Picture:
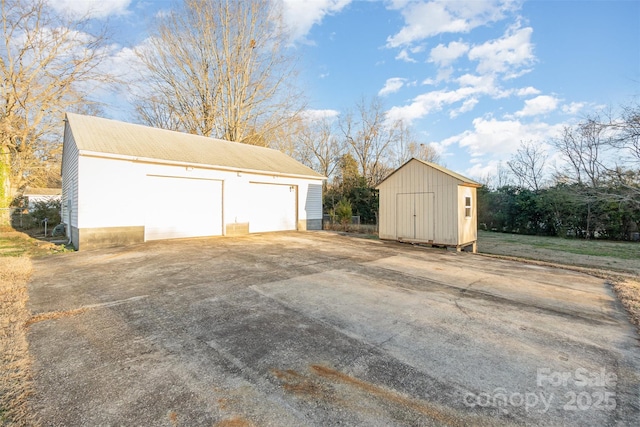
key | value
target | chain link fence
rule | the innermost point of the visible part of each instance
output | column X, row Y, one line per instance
column 331, row 223
column 20, row 219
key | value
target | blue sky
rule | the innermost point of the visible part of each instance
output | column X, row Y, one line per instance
column 474, row 78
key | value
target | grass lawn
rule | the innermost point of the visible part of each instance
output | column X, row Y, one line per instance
column 14, row 243
column 597, row 254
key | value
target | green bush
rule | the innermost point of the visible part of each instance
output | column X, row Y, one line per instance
column 50, row 210
column 344, row 212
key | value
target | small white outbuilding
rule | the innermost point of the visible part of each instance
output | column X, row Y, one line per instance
column 124, row 183
column 422, row 202
column 43, row 195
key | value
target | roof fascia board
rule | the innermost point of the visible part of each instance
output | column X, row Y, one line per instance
column 98, row 154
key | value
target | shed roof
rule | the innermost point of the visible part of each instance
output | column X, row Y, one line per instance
column 463, row 179
column 98, row 135
column 32, row 191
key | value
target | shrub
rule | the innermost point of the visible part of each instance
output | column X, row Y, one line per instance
column 50, row 210
column 344, row 212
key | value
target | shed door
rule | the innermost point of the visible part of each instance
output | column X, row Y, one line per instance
column 182, row 207
column 272, row 207
column 415, row 218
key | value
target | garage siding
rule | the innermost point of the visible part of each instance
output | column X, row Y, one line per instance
column 313, row 207
column 69, row 181
column 113, row 201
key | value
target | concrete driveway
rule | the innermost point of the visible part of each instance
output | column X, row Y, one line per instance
column 296, row 329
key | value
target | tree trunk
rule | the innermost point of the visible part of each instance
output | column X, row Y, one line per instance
column 5, row 186
column 588, row 235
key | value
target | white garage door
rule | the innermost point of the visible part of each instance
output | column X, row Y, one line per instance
column 272, row 208
column 182, row 207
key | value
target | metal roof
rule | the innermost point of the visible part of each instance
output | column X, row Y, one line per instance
column 99, row 135
column 464, row 180
column 32, row 191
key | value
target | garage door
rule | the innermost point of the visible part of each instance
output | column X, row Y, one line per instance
column 182, row 207
column 272, row 207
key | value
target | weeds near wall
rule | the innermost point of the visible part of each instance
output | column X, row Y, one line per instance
column 352, row 228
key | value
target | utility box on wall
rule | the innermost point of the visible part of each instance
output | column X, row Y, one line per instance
column 422, row 202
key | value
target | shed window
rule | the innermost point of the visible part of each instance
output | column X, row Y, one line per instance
column 467, row 207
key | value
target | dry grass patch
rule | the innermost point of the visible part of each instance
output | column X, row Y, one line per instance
column 628, row 291
column 15, row 361
column 15, row 243
column 16, row 249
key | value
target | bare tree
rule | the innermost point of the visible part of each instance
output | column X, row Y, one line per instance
column 623, row 173
column 407, row 146
column 628, row 133
column 220, row 68
column 370, row 138
column 48, row 65
column 502, row 177
column 319, row 146
column 528, row 165
column 423, row 152
column 583, row 146
column 498, row 179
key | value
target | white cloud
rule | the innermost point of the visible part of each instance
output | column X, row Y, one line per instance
column 509, row 53
column 499, row 139
column 125, row 61
column 404, row 56
column 446, row 55
column 392, row 85
column 465, row 108
column 573, row 108
column 527, row 91
column 427, row 19
column 471, row 88
column 539, row 105
column 312, row 115
column 301, row 16
column 124, row 64
column 397, row 4
column 444, row 74
column 485, row 85
column 481, row 171
column 425, row 104
column 163, row 13
column 91, row 8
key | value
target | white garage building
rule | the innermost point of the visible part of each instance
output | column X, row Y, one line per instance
column 125, row 183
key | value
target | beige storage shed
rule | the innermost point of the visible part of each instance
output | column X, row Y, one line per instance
column 422, row 202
